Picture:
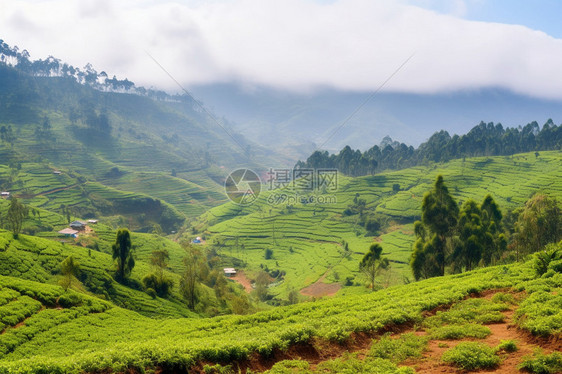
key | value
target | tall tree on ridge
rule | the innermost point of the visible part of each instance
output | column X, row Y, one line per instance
column 122, row 252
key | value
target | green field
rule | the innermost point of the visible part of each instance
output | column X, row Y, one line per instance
column 71, row 332
column 306, row 238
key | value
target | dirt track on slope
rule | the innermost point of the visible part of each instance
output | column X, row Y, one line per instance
column 317, row 350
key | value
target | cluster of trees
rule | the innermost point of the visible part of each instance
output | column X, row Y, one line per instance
column 53, row 67
column 461, row 239
column 485, row 139
column 372, row 222
column 536, row 224
column 202, row 269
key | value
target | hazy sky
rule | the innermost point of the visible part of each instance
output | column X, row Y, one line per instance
column 302, row 44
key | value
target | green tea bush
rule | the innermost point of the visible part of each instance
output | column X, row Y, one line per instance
column 398, row 350
column 471, row 356
column 507, row 346
column 454, row 332
column 539, row 363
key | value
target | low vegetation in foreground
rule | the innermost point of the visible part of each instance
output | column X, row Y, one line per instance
column 50, row 330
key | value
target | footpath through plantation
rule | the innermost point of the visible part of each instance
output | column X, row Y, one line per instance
column 48, row 330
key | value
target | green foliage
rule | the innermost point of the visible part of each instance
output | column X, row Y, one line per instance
column 121, row 339
column 507, row 346
column 541, row 311
column 538, row 224
column 189, row 286
column 482, row 140
column 158, row 282
column 399, row 349
column 122, row 252
column 160, row 286
column 69, row 269
column 17, row 212
column 471, row 356
column 349, row 365
column 373, row 263
column 455, row 332
column 473, row 310
column 439, row 217
column 547, row 259
column 540, row 363
column 307, row 240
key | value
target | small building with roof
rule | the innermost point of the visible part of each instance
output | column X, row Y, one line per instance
column 78, row 225
column 68, row 232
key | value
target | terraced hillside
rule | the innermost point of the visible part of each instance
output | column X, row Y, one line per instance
column 48, row 330
column 119, row 154
column 36, row 259
column 306, row 239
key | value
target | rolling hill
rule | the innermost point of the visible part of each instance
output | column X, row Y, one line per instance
column 48, row 330
column 119, row 153
column 306, row 239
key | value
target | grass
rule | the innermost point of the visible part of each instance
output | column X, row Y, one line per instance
column 471, row 356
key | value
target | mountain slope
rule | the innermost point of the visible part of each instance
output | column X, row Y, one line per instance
column 306, row 239
column 98, row 336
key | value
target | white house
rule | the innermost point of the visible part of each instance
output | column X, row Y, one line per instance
column 229, row 272
column 5, row 195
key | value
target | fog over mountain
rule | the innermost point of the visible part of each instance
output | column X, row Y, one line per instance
column 299, row 123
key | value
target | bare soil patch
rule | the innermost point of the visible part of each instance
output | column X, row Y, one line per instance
column 241, row 278
column 317, row 350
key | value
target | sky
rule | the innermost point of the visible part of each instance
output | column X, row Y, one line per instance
column 414, row 46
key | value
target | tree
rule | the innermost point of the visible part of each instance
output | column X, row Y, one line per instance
column 538, row 224
column 439, row 220
column 69, row 269
column 17, row 212
column 189, row 282
column 372, row 263
column 122, row 252
column 262, row 283
column 495, row 242
column 472, row 235
column 157, row 280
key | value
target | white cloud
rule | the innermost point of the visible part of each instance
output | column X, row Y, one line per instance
column 293, row 44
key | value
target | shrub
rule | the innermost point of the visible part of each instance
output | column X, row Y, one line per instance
column 507, row 346
column 542, row 260
column 453, row 332
column 471, row 356
column 70, row 299
column 540, row 363
column 268, row 254
column 397, row 350
column 161, row 286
